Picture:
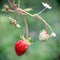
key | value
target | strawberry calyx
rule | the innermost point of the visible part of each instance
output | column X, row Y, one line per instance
column 27, row 39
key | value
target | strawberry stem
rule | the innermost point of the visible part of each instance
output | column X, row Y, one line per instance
column 41, row 11
column 18, row 3
column 26, row 26
column 32, row 15
column 40, row 18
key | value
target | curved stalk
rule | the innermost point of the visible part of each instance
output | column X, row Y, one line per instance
column 40, row 18
column 26, row 26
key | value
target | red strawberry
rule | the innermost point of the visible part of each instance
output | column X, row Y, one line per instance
column 21, row 47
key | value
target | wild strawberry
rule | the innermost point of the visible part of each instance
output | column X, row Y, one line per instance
column 21, row 47
column 43, row 35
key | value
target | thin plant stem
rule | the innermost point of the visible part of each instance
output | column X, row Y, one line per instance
column 10, row 2
column 13, row 1
column 18, row 3
column 41, row 11
column 40, row 18
column 33, row 15
column 26, row 26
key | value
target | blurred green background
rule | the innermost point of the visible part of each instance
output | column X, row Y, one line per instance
column 48, row 50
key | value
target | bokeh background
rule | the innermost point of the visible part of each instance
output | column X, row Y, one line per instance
column 9, row 35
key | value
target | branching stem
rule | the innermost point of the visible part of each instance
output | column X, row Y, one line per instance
column 20, row 11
